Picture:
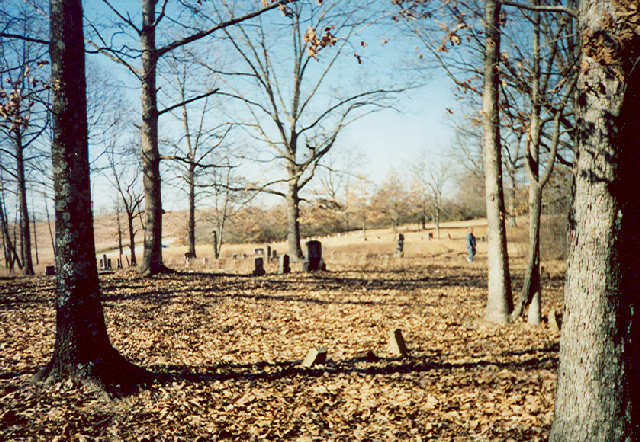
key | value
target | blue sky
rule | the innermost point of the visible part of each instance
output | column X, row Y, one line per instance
column 388, row 139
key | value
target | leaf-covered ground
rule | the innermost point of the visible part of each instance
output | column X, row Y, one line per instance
column 234, row 345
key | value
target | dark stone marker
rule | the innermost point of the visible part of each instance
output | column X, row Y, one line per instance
column 268, row 252
column 400, row 248
column 285, row 265
column 50, row 270
column 105, row 262
column 314, row 257
column 259, row 267
column 430, row 236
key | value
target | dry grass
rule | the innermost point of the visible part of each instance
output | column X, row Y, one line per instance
column 377, row 251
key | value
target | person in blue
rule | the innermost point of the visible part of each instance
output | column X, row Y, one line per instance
column 471, row 245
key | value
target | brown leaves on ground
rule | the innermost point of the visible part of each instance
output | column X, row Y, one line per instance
column 234, row 345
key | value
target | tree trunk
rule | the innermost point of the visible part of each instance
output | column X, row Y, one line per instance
column 499, row 303
column 82, row 348
column 152, row 260
column 132, row 239
column 293, row 224
column 191, row 224
column 25, row 230
column 598, row 394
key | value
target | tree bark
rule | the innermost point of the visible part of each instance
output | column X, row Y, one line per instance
column 152, row 259
column 132, row 239
column 82, row 348
column 598, row 394
column 293, row 225
column 499, row 303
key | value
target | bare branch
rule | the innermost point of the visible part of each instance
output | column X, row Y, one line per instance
column 190, row 100
column 24, row 38
column 198, row 35
column 572, row 12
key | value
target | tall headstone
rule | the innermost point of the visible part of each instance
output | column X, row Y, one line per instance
column 400, row 248
column 285, row 265
column 216, row 252
column 259, row 267
column 314, row 257
column 268, row 252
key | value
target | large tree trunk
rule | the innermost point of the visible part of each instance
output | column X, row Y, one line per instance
column 499, row 303
column 152, row 260
column 598, row 394
column 82, row 348
column 25, row 231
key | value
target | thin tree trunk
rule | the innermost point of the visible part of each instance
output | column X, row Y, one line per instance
column 25, row 230
column 499, row 303
column 35, row 236
column 132, row 239
column 152, row 259
column 598, row 393
column 191, row 223
column 293, row 225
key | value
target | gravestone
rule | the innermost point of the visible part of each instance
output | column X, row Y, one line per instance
column 259, row 267
column 285, row 265
column 268, row 252
column 274, row 254
column 315, row 356
column 397, row 346
column 400, row 248
column 314, row 260
column 50, row 270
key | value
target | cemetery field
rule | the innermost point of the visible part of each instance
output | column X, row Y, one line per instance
column 233, row 346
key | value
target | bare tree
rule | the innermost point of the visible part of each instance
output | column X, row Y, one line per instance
column 149, row 54
column 124, row 173
column 194, row 152
column 293, row 103
column 432, row 178
column 23, row 116
column 390, row 202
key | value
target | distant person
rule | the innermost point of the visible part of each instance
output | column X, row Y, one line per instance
column 471, row 245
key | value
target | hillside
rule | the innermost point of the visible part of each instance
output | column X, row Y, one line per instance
column 376, row 249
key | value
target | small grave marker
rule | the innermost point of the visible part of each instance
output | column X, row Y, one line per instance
column 315, row 356
column 285, row 265
column 397, row 345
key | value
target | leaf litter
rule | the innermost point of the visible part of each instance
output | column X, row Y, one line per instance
column 233, row 346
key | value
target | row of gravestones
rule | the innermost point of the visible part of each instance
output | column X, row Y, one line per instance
column 312, row 262
column 397, row 347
